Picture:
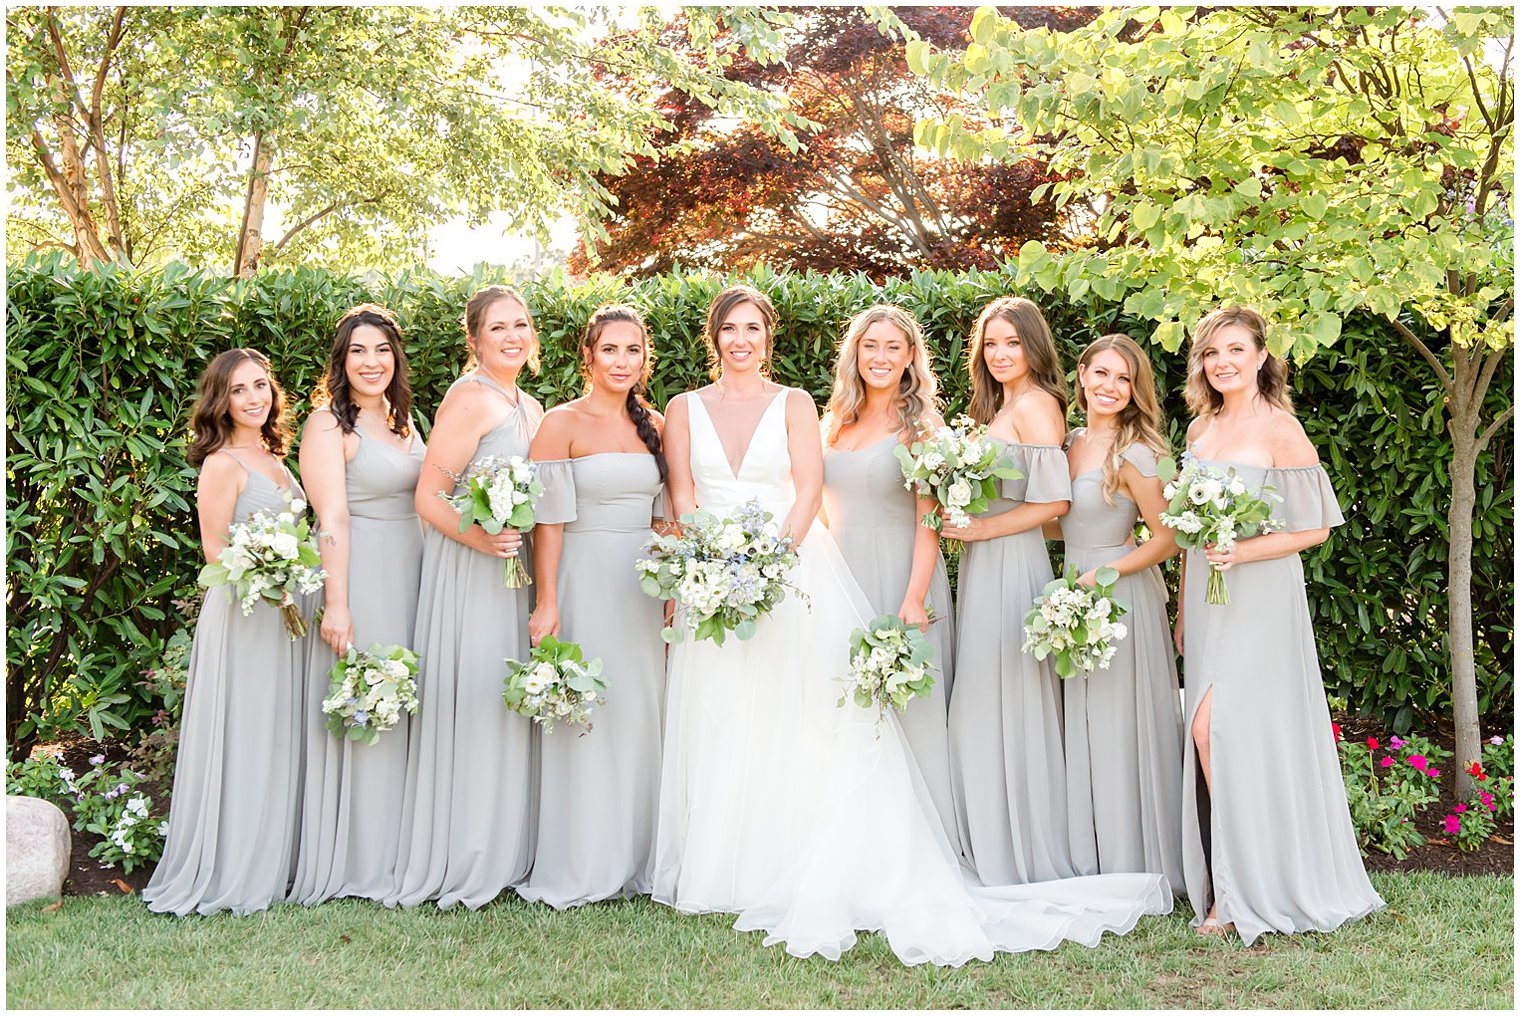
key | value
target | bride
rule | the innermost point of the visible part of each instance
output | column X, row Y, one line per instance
column 803, row 817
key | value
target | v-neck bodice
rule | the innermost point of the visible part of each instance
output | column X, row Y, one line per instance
column 765, row 469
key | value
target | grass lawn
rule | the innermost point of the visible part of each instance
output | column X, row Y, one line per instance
column 1443, row 942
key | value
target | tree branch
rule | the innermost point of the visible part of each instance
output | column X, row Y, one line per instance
column 318, row 216
column 1424, row 350
column 1493, row 428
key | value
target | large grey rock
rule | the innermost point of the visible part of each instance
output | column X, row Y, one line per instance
column 36, row 850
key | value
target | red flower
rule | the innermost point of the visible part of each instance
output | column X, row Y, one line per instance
column 1372, row 743
column 1476, row 769
column 1335, row 728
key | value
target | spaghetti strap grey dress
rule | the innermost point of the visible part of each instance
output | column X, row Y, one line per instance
column 234, row 817
column 1273, row 848
column 874, row 519
column 467, row 814
column 599, row 791
column 351, row 815
column 1123, row 724
column 1006, row 763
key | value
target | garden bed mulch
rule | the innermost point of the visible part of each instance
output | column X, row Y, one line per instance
column 88, row 877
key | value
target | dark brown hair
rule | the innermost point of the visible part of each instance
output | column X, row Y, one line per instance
column 334, row 390
column 638, row 409
column 1271, row 379
column 1039, row 352
column 211, row 417
column 718, row 311
column 474, row 316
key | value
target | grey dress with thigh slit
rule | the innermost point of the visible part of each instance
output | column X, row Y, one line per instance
column 599, row 790
column 467, row 814
column 351, row 814
column 235, row 814
column 874, row 519
column 1006, row 763
column 1123, row 724
column 1280, row 853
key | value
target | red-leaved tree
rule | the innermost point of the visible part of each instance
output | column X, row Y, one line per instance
column 858, row 197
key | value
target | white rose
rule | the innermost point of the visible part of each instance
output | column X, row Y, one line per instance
column 959, row 494
column 297, row 507
column 285, row 545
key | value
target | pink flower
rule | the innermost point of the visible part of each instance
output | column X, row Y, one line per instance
column 1396, row 741
column 1459, row 809
column 1496, row 739
column 1486, row 798
column 1387, row 761
column 1453, row 824
column 1418, row 762
column 1434, row 774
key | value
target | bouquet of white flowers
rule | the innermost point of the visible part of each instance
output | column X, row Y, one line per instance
column 1076, row 624
column 369, row 690
column 958, row 466
column 1208, row 505
column 500, row 493
column 723, row 573
column 555, row 685
column 270, row 557
column 890, row 662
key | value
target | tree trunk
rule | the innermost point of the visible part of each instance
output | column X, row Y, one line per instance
column 250, row 247
column 1462, row 423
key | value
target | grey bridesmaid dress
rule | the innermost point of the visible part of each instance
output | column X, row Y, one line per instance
column 1006, row 764
column 467, row 814
column 234, row 817
column 874, row 519
column 351, row 815
column 599, row 791
column 1123, row 724
column 1274, row 848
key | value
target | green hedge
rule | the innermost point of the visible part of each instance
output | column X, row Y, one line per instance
column 101, row 532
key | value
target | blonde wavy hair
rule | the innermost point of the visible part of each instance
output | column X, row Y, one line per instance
column 916, row 390
column 1141, row 421
column 1271, row 379
column 1039, row 350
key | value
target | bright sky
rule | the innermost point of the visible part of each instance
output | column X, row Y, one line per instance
column 458, row 247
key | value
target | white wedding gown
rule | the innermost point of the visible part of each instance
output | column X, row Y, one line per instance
column 807, row 819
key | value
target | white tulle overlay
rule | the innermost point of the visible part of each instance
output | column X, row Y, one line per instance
column 810, row 820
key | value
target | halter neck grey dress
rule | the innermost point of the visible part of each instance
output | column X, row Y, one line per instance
column 1274, row 848
column 234, row 818
column 1123, row 724
column 1006, row 763
column 351, row 819
column 874, row 519
column 468, row 812
column 599, row 791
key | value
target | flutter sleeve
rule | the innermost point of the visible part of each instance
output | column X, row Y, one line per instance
column 557, row 503
column 1142, row 458
column 1308, row 500
column 1046, row 477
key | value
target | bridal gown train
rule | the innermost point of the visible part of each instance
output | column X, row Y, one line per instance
column 807, row 819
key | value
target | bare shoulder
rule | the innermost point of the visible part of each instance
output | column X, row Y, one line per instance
column 1038, row 418
column 676, row 409
column 220, row 469
column 1289, row 444
column 658, row 418
column 1197, row 427
column 321, row 423
column 799, row 401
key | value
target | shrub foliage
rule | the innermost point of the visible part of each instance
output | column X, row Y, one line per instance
column 101, row 535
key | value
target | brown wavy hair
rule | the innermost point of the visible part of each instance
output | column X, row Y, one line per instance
column 211, row 416
column 723, row 305
column 334, row 390
column 474, row 316
column 638, row 408
column 1039, row 351
column 915, row 390
column 1271, row 379
column 1141, row 421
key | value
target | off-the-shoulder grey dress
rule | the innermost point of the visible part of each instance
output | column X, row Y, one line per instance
column 1123, row 724
column 599, row 791
column 1006, row 762
column 351, row 812
column 874, row 519
column 467, row 816
column 1274, row 848
column 234, row 818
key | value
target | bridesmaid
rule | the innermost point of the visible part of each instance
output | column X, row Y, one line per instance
column 1007, row 705
column 603, row 471
column 1123, row 727
column 467, row 812
column 234, row 814
column 361, row 459
column 884, row 392
column 1267, row 839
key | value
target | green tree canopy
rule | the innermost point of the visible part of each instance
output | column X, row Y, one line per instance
column 1307, row 162
column 153, row 134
